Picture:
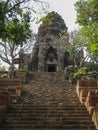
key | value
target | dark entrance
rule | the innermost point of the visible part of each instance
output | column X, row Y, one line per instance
column 51, row 68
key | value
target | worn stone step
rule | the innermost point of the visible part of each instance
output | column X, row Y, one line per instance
column 47, row 123
column 48, row 102
column 46, row 109
column 52, row 127
column 8, row 128
column 51, row 111
column 31, row 104
column 49, row 114
column 34, row 118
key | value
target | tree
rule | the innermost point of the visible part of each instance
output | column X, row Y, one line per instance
column 10, row 51
column 17, row 31
column 16, row 14
column 87, row 18
column 78, row 48
column 14, row 22
column 15, row 19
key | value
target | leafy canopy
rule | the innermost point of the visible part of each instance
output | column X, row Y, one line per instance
column 87, row 18
column 14, row 23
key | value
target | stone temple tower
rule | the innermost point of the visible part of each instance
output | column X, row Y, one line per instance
column 52, row 41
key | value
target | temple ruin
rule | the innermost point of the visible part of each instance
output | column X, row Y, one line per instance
column 52, row 43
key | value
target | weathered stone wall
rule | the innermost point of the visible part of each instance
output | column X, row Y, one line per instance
column 51, row 34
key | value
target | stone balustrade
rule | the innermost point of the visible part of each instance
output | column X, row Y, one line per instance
column 87, row 91
column 95, row 116
column 91, row 101
column 83, row 87
column 4, row 104
column 12, row 86
column 10, row 91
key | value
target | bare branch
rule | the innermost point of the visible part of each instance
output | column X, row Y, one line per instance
column 5, row 59
column 17, row 4
column 2, row 44
column 6, row 11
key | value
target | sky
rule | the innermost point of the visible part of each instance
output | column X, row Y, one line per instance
column 67, row 10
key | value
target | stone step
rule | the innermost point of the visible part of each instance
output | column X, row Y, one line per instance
column 47, row 123
column 34, row 117
column 37, row 105
column 72, row 112
column 49, row 114
column 45, row 107
column 8, row 128
column 49, row 110
column 52, row 127
column 47, row 103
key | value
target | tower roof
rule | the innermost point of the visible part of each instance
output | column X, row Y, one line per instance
column 52, row 24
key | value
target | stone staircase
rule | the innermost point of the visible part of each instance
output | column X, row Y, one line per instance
column 48, row 102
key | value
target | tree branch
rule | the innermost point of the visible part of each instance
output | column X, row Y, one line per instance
column 2, row 44
column 5, row 59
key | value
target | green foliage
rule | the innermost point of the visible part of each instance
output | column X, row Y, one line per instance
column 14, row 23
column 81, row 71
column 76, row 39
column 77, row 48
column 87, row 18
column 46, row 20
column 17, row 31
column 87, row 11
column 93, row 67
column 2, row 5
column 70, row 70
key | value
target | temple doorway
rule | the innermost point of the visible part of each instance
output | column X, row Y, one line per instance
column 51, row 68
column 51, row 60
